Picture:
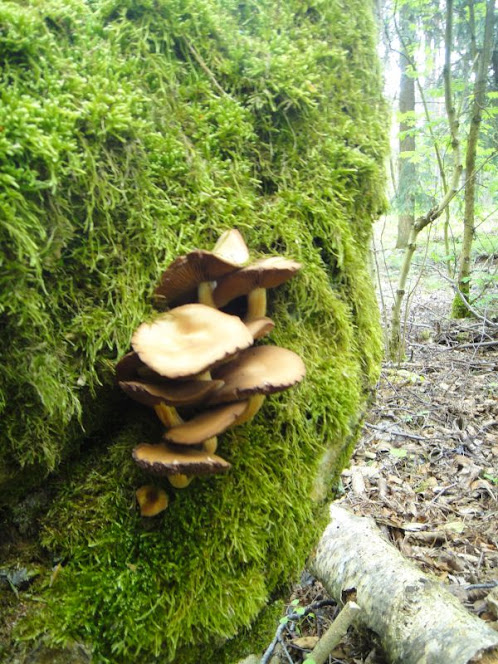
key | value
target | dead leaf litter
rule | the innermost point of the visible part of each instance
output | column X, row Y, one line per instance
column 426, row 470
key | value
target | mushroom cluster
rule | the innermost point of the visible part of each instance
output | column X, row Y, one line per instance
column 196, row 365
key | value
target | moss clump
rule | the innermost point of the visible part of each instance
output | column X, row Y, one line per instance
column 134, row 131
column 459, row 309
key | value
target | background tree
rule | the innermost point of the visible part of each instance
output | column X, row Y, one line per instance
column 483, row 59
column 450, row 56
column 405, row 194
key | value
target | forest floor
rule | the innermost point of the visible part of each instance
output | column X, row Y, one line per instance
column 425, row 469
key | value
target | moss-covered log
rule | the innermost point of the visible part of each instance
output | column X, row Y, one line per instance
column 132, row 131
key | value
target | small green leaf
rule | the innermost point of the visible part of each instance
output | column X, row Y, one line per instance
column 491, row 478
column 398, row 452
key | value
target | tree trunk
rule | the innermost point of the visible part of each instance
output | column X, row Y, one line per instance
column 459, row 310
column 396, row 345
column 406, row 167
column 396, row 348
column 416, row 618
column 451, row 114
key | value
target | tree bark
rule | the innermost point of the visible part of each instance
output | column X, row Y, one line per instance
column 459, row 310
column 416, row 618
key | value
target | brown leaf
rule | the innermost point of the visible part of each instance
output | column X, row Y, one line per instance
column 306, row 642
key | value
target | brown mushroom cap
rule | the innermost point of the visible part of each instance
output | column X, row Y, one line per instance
column 131, row 367
column 188, row 340
column 265, row 273
column 163, row 459
column 127, row 367
column 260, row 327
column 258, row 370
column 151, row 500
column 180, row 280
column 205, row 425
column 172, row 393
column 232, row 247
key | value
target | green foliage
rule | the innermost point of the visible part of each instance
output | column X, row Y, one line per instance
column 134, row 131
column 429, row 123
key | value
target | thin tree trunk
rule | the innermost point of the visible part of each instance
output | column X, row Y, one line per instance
column 451, row 114
column 459, row 310
column 396, row 339
column 416, row 618
column 396, row 346
column 406, row 167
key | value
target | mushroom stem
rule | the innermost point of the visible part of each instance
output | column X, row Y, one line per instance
column 205, row 375
column 180, row 481
column 205, row 294
column 168, row 415
column 256, row 304
column 210, row 445
column 254, row 404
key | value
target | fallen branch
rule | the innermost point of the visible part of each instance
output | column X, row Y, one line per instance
column 416, row 618
column 396, row 432
column 334, row 634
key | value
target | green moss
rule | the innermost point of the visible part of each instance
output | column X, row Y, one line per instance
column 459, row 309
column 134, row 131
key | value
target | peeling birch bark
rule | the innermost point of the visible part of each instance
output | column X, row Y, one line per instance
column 416, row 618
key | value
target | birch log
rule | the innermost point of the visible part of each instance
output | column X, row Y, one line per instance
column 416, row 618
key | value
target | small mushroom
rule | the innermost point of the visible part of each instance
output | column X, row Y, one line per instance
column 171, row 393
column 167, row 396
column 128, row 367
column 131, row 368
column 151, row 500
column 187, row 340
column 253, row 280
column 260, row 327
column 254, row 373
column 232, row 247
column 194, row 272
column 207, row 424
column 178, row 466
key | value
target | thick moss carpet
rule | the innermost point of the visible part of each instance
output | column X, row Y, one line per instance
column 131, row 132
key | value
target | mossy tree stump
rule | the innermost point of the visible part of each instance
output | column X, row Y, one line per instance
column 131, row 132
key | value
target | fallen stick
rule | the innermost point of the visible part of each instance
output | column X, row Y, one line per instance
column 334, row 634
column 416, row 618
